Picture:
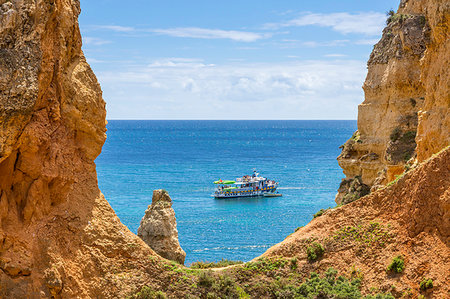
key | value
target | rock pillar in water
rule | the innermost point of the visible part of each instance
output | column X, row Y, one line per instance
column 159, row 228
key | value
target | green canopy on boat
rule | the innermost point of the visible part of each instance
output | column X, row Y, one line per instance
column 225, row 182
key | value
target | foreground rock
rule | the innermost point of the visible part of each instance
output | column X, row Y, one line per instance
column 58, row 235
column 159, row 228
column 405, row 116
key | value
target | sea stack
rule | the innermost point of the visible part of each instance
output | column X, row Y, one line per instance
column 159, row 228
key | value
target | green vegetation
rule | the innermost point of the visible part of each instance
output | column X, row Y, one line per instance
column 402, row 145
column 355, row 189
column 314, row 251
column 356, row 137
column 320, row 212
column 263, row 278
column 265, row 265
column 408, row 137
column 380, row 296
column 395, row 135
column 219, row 286
column 329, row 286
column 426, row 284
column 219, row 264
column 294, row 263
column 148, row 293
column 394, row 17
column 397, row 265
column 298, row 228
column 372, row 234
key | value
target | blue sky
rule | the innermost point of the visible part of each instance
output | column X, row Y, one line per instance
column 231, row 59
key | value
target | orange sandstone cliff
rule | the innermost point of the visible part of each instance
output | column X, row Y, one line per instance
column 405, row 117
column 58, row 234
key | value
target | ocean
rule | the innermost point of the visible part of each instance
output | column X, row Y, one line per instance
column 185, row 157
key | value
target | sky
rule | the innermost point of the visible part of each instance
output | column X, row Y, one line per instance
column 247, row 59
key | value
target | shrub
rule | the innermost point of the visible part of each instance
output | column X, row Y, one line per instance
column 294, row 263
column 395, row 135
column 320, row 212
column 205, row 279
column 219, row 264
column 426, row 284
column 390, row 14
column 223, row 286
column 314, row 251
column 265, row 265
column 149, row 293
column 408, row 137
column 329, row 286
column 397, row 265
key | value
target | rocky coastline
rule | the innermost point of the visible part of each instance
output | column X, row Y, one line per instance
column 59, row 237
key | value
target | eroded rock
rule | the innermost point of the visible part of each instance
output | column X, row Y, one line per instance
column 406, row 111
column 159, row 228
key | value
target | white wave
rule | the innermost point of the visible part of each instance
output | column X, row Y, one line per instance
column 232, row 248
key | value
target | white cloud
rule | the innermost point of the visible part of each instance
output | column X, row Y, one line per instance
column 205, row 33
column 116, row 28
column 189, row 88
column 87, row 40
column 290, row 44
column 93, row 60
column 368, row 23
column 335, row 55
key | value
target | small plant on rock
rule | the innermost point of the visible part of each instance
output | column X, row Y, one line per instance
column 396, row 134
column 397, row 265
column 314, row 251
column 319, row 213
column 426, row 284
column 294, row 263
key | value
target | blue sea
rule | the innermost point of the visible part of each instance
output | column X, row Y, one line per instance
column 185, row 157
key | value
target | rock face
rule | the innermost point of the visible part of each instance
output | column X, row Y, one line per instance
column 158, row 228
column 58, row 235
column 405, row 116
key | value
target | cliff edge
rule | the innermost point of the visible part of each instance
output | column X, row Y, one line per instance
column 405, row 117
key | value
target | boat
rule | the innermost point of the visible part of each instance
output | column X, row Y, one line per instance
column 246, row 186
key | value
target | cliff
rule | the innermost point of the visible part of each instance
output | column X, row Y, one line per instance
column 405, row 116
column 58, row 235
column 158, row 228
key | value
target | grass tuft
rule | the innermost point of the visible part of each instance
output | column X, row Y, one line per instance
column 397, row 265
